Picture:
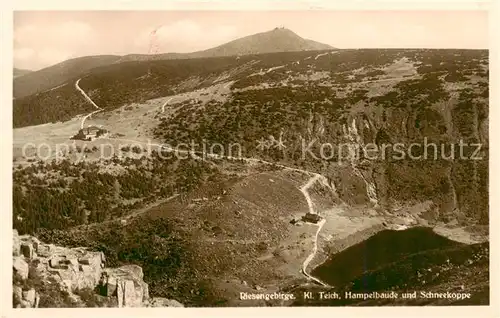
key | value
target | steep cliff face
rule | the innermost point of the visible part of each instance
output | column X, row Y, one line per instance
column 385, row 153
column 395, row 158
column 46, row 275
column 435, row 168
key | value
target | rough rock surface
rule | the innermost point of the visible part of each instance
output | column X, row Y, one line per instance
column 16, row 244
column 164, row 302
column 20, row 267
column 25, row 298
column 75, row 269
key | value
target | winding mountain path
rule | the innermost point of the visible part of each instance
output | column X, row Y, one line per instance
column 304, row 188
column 88, row 116
column 127, row 217
column 85, row 94
column 165, row 104
column 311, row 256
column 99, row 109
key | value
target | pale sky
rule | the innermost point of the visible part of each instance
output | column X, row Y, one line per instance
column 44, row 38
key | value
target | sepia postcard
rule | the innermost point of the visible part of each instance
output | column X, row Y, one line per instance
column 297, row 155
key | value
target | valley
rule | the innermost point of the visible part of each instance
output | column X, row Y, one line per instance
column 206, row 225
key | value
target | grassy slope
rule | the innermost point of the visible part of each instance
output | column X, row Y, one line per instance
column 20, row 72
column 52, row 76
column 187, row 248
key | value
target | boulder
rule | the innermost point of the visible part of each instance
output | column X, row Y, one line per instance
column 30, row 296
column 103, row 257
column 129, row 294
column 54, row 262
column 85, row 277
column 145, row 291
column 91, row 259
column 25, row 304
column 73, row 264
column 66, row 285
column 85, row 268
column 17, row 294
column 132, row 273
column 63, row 266
column 74, row 280
column 64, row 274
column 16, row 244
column 119, row 294
column 111, row 285
column 132, row 297
column 20, row 267
column 36, row 243
column 74, row 269
column 27, row 250
column 84, row 281
column 134, row 270
column 44, row 250
column 164, row 302
column 37, row 300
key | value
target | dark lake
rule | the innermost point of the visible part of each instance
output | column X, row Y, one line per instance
column 380, row 250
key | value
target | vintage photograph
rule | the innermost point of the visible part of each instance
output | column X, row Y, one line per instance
column 225, row 158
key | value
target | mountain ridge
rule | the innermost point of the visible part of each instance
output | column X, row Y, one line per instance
column 20, row 72
column 274, row 41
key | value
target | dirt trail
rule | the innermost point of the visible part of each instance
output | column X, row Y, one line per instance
column 127, row 217
column 147, row 208
column 304, row 188
column 99, row 109
column 311, row 256
column 165, row 104
column 82, row 125
column 85, row 95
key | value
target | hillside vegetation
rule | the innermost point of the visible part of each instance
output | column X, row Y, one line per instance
column 20, row 72
column 337, row 97
column 53, row 76
column 277, row 40
column 59, row 195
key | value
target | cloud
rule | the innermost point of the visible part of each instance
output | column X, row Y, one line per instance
column 183, row 36
column 56, row 34
column 24, row 53
column 38, row 45
column 50, row 56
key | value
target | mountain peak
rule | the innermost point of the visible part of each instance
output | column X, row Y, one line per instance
column 279, row 39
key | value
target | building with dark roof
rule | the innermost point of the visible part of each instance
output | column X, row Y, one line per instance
column 311, row 218
column 90, row 133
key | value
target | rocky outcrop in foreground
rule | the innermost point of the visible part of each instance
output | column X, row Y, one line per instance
column 74, row 270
